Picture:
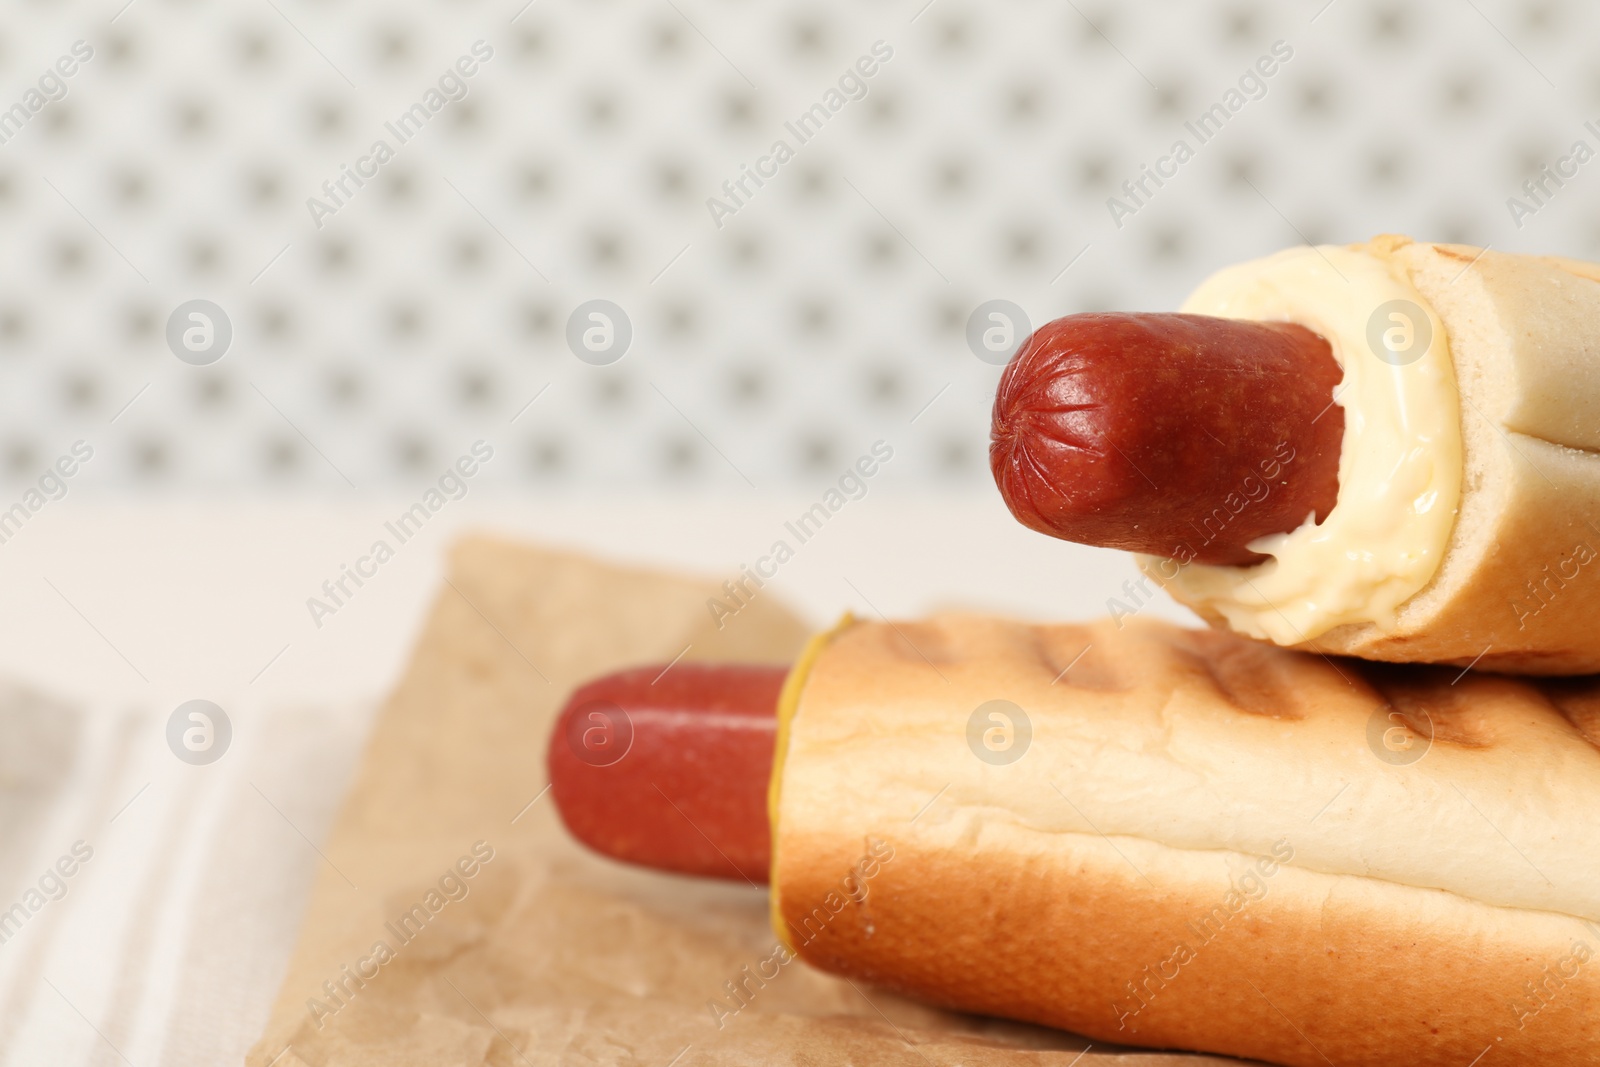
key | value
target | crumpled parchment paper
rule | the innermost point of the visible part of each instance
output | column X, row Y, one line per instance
column 455, row 922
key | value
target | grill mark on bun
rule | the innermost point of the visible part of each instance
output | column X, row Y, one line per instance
column 1252, row 677
column 1578, row 701
column 1069, row 656
column 920, row 642
column 1428, row 703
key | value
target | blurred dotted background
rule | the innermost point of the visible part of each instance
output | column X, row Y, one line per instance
column 771, row 350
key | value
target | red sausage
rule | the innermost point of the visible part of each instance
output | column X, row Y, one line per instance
column 668, row 768
column 1178, row 435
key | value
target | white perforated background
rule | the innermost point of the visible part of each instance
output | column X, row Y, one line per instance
column 828, row 312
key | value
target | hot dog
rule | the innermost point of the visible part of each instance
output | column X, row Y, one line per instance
column 1454, row 519
column 1189, row 840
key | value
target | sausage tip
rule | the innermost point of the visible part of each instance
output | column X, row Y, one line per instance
column 1177, row 435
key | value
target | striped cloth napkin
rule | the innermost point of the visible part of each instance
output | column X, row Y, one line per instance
column 148, row 906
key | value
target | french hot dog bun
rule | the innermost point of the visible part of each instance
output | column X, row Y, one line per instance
column 1517, row 582
column 1209, row 843
column 1520, row 576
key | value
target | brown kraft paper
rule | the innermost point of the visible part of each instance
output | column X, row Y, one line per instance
column 505, row 942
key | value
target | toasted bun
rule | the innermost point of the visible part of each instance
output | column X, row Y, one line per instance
column 1207, row 844
column 1519, row 581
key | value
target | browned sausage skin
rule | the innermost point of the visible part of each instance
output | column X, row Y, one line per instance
column 1177, row 435
column 668, row 767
